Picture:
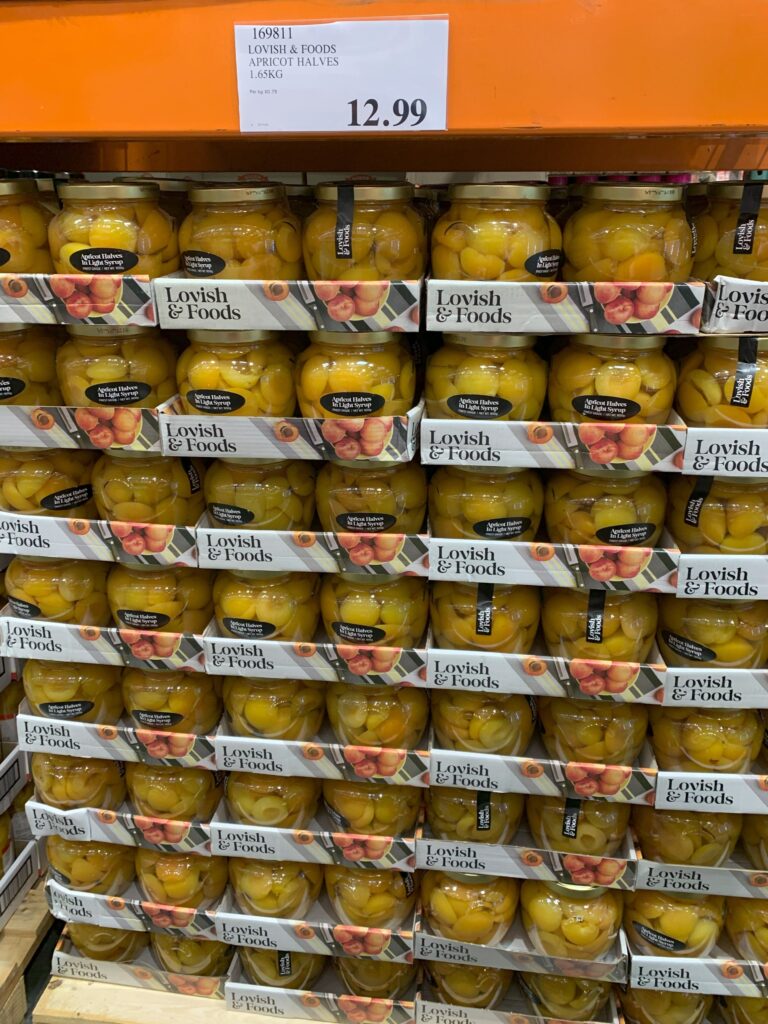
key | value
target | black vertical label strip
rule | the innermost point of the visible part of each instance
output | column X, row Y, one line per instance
column 195, row 483
column 571, row 812
column 746, row 369
column 408, row 882
column 484, row 609
column 345, row 211
column 595, row 617
column 744, row 237
column 483, row 810
column 284, row 963
column 701, row 488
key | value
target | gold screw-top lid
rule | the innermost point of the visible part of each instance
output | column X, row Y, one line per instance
column 731, row 342
column 373, row 191
column 635, row 192
column 268, row 191
column 636, row 342
column 107, row 331
column 499, row 190
column 731, row 189
column 108, row 190
column 350, row 338
column 18, row 187
column 233, row 337
column 491, row 340
column 581, row 892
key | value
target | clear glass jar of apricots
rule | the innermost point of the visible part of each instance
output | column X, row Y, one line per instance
column 375, row 979
column 58, row 590
column 91, row 866
column 365, row 896
column 651, row 1006
column 181, row 794
column 241, row 232
column 286, row 709
column 44, row 482
column 496, row 232
column 68, row 690
column 374, row 610
column 468, row 985
column 483, row 722
column 379, row 716
column 281, row 803
column 368, row 231
column 260, row 494
column 688, row 837
column 673, row 924
column 28, row 365
column 502, row 618
column 724, row 383
column 629, row 232
column 601, row 378
column 576, row 921
column 70, row 782
column 23, row 229
column 721, row 248
column 501, row 504
column 469, row 908
column 706, row 740
column 592, row 733
column 717, row 634
column 111, row 229
column 170, row 599
column 144, row 487
column 564, row 998
column 480, row 817
column 487, row 377
column 281, row 969
column 114, row 944
column 181, row 702
column 267, row 605
column 597, row 508
column 719, row 515
column 596, row 624
column 737, row 1010
column 371, row 497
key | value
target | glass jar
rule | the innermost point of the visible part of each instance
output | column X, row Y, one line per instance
column 179, row 794
column 106, row 228
column 486, row 377
column 187, row 954
column 99, row 943
column 490, row 723
column 173, row 196
column 23, row 229
column 719, row 515
column 267, row 606
column 742, row 1010
column 170, row 599
column 632, row 232
column 497, row 505
column 110, row 369
column 377, row 716
column 241, row 232
column 84, row 693
column 673, row 924
column 687, row 837
column 593, row 732
column 719, row 241
column 754, row 840
column 564, row 998
column 58, row 590
column 364, row 232
column 473, row 817
column 242, row 373
column 724, row 383
column 351, row 376
column 700, row 739
column 275, row 803
column 372, row 498
column 655, row 1006
column 718, row 634
column 375, row 979
column 469, row 908
column 373, row 810
column 91, row 867
column 281, row 969
column 180, row 879
column 71, row 782
column 371, row 898
column 260, row 494
column 599, row 508
column 593, row 827
column 143, row 487
column 177, row 702
column 285, row 709
column 599, row 377
column 598, row 625
column 463, row 616
column 496, row 232
column 479, row 988
column 27, row 361
column 375, row 610
column 575, row 921
column 47, row 482
column 746, row 923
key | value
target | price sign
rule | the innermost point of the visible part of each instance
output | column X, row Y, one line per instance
column 343, row 76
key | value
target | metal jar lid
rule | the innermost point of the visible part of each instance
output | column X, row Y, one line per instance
column 107, row 331
column 731, row 190
column 491, row 340
column 731, row 342
column 232, row 337
column 18, row 187
column 512, row 191
column 107, row 191
column 635, row 192
column 269, row 191
column 350, row 338
column 636, row 342
column 371, row 191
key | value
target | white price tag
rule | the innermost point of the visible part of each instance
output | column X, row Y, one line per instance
column 343, row 76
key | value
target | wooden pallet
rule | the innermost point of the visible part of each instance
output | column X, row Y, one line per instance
column 19, row 941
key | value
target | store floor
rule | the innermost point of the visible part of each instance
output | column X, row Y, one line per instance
column 38, row 973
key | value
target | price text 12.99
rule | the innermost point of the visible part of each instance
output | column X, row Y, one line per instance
column 401, row 111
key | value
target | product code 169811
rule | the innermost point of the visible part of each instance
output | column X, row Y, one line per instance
column 272, row 32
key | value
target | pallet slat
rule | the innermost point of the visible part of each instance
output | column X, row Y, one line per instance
column 19, row 941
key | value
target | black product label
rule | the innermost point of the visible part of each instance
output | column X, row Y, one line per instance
column 118, row 392
column 699, row 492
column 358, row 634
column 23, row 609
column 604, row 407
column 338, row 819
column 213, row 401
column 544, row 264
column 284, row 964
column 201, row 264
column 627, row 534
column 483, row 811
column 4, row 256
column 479, row 407
column 137, row 619
column 694, row 235
column 505, row 528
column 365, row 522
column 70, row 497
column 345, row 213
column 571, row 813
column 104, row 261
column 595, row 617
column 229, row 515
column 10, row 387
column 249, row 629
column 484, row 609
column 744, row 236
column 746, row 369
column 352, row 403
column 156, row 719
column 658, row 939
column 193, row 475
column 66, row 708
column 689, row 649
column 409, row 883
